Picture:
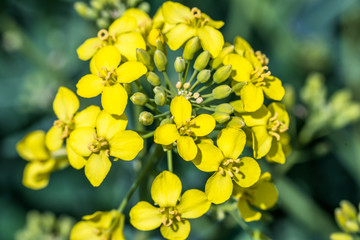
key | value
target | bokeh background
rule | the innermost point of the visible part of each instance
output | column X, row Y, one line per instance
column 313, row 47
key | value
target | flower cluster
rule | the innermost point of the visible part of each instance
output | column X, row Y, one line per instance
column 348, row 219
column 206, row 113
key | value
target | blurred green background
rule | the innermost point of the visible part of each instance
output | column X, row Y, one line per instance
column 300, row 37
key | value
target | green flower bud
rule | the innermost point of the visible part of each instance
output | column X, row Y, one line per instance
column 160, row 45
column 348, row 208
column 222, row 74
column 160, row 98
column 144, row 57
column 237, row 87
column 160, row 60
column 202, row 60
column 158, row 90
column 179, row 65
column 191, row 47
column 83, row 10
column 217, row 62
column 204, row 75
column 289, row 97
column 153, row 79
column 102, row 23
column 221, row 91
column 146, row 118
column 224, row 108
column 98, row 5
column 139, row 98
column 221, row 117
column 165, row 121
column 144, row 6
column 127, row 87
column 236, row 122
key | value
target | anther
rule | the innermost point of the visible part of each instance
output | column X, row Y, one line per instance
column 161, row 210
column 276, row 125
column 58, row 123
column 276, row 135
column 103, row 34
column 178, row 85
column 178, row 218
column 230, row 173
column 199, row 100
column 221, row 171
column 274, row 117
column 196, row 95
column 236, row 169
column 196, row 12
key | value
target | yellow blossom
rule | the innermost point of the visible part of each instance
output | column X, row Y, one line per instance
column 262, row 195
column 100, row 226
column 109, row 138
column 122, row 34
column 228, row 168
column 170, row 214
column 268, row 127
column 107, row 76
column 42, row 162
column 185, row 130
column 253, row 81
column 189, row 23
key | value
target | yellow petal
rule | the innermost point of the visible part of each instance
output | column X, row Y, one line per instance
column 187, row 148
column 204, row 124
column 249, row 172
column 145, row 217
column 123, row 25
column 90, row 86
column 97, row 167
column 76, row 160
column 32, row 146
column 193, row 204
column 166, row 189
column 166, row 134
column 87, row 117
column 261, row 141
column 211, row 40
column 88, row 48
column 36, row 174
column 218, row 188
column 109, row 125
column 126, row 145
column 273, row 89
column 208, row 157
column 181, row 109
column 276, row 153
column 65, row 104
column 341, row 236
column 252, row 97
column 117, row 233
column 142, row 18
column 241, row 45
column 178, row 35
column 107, row 57
column 231, row 142
column 177, row 231
column 211, row 22
column 246, row 212
column 257, row 118
column 130, row 71
column 79, row 140
column 127, row 44
column 53, row 139
column 84, row 230
column 264, row 195
column 93, row 69
column 241, row 67
column 280, row 109
column 174, row 13
column 114, row 99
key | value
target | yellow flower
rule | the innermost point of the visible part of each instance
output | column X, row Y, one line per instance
column 42, row 162
column 189, row 23
column 65, row 106
column 144, row 22
column 263, row 196
column 223, row 160
column 268, row 127
column 107, row 76
column 100, row 226
column 254, row 80
column 347, row 217
column 184, row 131
column 108, row 139
column 171, row 214
column 122, row 34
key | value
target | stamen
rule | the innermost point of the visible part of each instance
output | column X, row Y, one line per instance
column 230, row 173
column 236, row 169
column 237, row 160
column 276, row 125
column 103, row 34
column 161, row 210
column 274, row 117
column 58, row 123
column 221, row 171
column 276, row 135
column 196, row 12
column 167, row 222
column 178, row 218
column 107, row 152
column 204, row 22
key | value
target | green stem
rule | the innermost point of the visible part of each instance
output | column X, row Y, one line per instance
column 193, row 76
column 153, row 158
column 167, row 80
column 153, row 108
column 208, row 100
column 193, row 86
column 206, row 95
column 203, row 107
column 203, row 88
column 162, row 114
column 187, row 62
column 148, row 135
column 169, row 158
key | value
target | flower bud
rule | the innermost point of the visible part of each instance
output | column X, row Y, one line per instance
column 161, row 46
column 160, row 98
column 153, row 79
column 224, row 108
column 222, row 74
column 127, row 87
column 221, row 117
column 146, row 118
column 144, row 57
column 191, row 47
column 139, row 98
column 204, row 75
column 83, row 10
column 221, row 91
column 179, row 65
column 160, row 60
column 236, row 122
column 98, row 5
column 154, row 35
column 202, row 60
column 158, row 90
column 216, row 62
column 102, row 23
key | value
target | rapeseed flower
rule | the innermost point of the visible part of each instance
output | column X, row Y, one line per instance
column 171, row 214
